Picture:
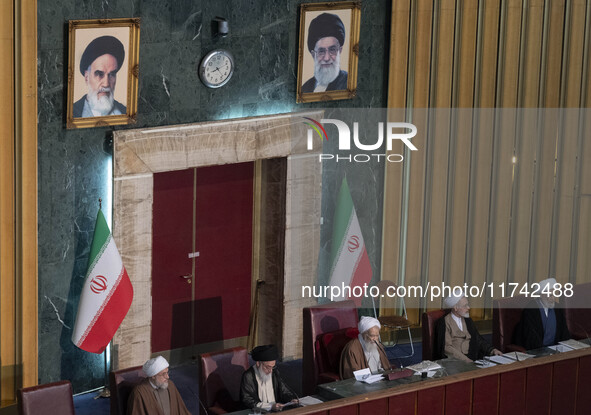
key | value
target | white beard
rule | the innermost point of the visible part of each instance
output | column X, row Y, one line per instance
column 372, row 355
column 264, row 377
column 325, row 75
column 371, row 347
column 103, row 105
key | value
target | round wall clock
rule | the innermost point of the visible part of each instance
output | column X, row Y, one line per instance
column 216, row 68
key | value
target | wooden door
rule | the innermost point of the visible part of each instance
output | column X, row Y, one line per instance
column 202, row 255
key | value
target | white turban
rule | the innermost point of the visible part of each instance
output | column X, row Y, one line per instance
column 547, row 284
column 154, row 366
column 452, row 300
column 366, row 323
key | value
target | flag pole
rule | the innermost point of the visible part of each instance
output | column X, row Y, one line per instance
column 105, row 392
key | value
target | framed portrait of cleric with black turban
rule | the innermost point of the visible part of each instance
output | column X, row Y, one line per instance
column 328, row 51
column 103, row 69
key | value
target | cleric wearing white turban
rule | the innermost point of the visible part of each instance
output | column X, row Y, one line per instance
column 156, row 394
column 456, row 335
column 365, row 351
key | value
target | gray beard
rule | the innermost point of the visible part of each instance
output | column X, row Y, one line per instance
column 325, row 76
column 163, row 385
column 103, row 105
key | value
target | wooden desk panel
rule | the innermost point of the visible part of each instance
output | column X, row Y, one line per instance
column 431, row 401
column 584, row 386
column 458, row 398
column 564, row 387
column 377, row 407
column 512, row 395
column 485, row 395
column 403, row 404
column 538, row 389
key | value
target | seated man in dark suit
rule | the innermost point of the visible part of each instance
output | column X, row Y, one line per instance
column 542, row 324
column 456, row 335
column 262, row 386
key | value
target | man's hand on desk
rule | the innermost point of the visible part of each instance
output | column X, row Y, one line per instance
column 280, row 406
column 496, row 352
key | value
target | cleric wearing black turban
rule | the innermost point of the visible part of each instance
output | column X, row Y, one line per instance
column 99, row 65
column 326, row 36
column 262, row 386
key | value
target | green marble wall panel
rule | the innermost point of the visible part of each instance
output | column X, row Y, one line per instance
column 175, row 34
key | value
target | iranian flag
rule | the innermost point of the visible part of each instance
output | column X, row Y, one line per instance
column 107, row 293
column 350, row 263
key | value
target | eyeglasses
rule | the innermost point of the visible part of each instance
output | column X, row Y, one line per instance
column 321, row 52
column 269, row 367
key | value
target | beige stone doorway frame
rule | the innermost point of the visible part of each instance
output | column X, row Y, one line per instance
column 140, row 153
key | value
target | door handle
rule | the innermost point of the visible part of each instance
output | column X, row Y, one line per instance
column 188, row 278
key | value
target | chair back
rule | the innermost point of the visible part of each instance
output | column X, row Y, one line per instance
column 221, row 374
column 506, row 315
column 329, row 347
column 429, row 319
column 318, row 320
column 51, row 398
column 122, row 383
column 578, row 311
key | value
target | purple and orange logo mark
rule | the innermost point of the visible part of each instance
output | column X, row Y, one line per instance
column 316, row 126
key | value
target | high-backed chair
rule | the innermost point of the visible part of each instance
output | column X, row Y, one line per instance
column 428, row 332
column 394, row 323
column 51, row 398
column 578, row 312
column 506, row 315
column 221, row 373
column 334, row 318
column 121, row 384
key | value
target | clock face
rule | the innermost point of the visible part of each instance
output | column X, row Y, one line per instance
column 216, row 68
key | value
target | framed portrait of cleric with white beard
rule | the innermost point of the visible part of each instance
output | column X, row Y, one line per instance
column 328, row 51
column 103, row 69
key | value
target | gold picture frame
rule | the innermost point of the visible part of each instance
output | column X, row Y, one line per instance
column 112, row 46
column 322, row 27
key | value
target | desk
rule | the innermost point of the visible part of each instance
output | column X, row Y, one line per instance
column 556, row 384
column 350, row 387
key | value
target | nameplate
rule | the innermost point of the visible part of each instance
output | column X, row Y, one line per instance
column 397, row 374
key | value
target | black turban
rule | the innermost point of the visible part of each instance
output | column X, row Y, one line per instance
column 99, row 47
column 325, row 25
column 265, row 353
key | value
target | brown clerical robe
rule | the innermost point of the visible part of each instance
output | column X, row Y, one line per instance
column 353, row 358
column 142, row 401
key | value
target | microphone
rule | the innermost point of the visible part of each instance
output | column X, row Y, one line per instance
column 584, row 331
column 203, row 406
column 288, row 387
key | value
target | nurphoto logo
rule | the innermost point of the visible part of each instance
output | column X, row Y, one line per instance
column 391, row 131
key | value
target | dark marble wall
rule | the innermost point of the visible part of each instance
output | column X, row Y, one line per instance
column 74, row 165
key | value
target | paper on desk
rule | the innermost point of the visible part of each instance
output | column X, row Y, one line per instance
column 425, row 366
column 483, row 363
column 574, row 344
column 364, row 375
column 501, row 360
column 518, row 356
column 308, row 400
column 561, row 348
